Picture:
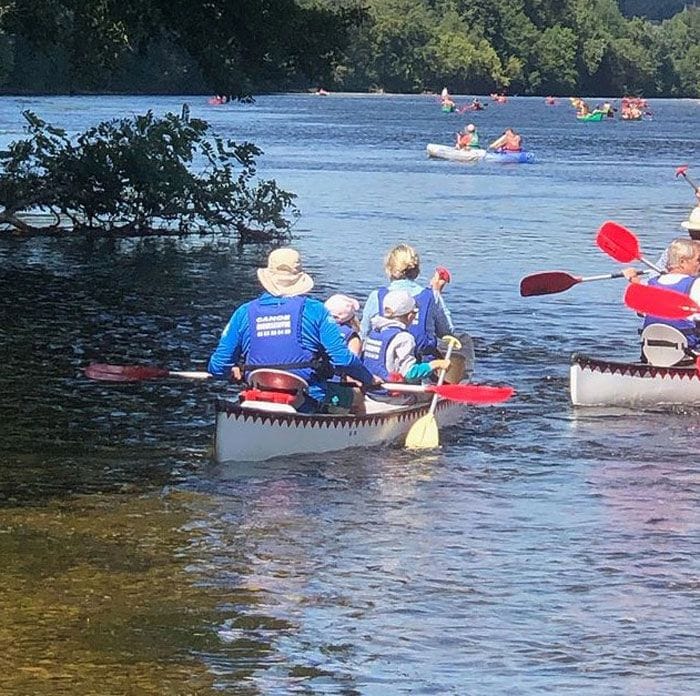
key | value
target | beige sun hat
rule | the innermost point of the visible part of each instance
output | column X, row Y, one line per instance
column 692, row 224
column 284, row 275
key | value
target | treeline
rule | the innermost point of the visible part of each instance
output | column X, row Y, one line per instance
column 523, row 46
column 252, row 46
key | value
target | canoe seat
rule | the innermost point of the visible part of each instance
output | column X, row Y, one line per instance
column 266, row 378
column 664, row 346
column 267, row 406
column 275, row 387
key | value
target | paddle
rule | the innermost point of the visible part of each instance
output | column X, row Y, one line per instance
column 682, row 171
column 550, row 282
column 424, row 433
column 475, row 394
column 621, row 244
column 659, row 302
column 136, row 373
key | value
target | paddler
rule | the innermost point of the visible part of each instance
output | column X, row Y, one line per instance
column 468, row 138
column 510, row 141
column 344, row 309
column 285, row 329
column 682, row 270
column 433, row 320
column 390, row 348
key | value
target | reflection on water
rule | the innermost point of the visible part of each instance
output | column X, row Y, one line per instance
column 542, row 546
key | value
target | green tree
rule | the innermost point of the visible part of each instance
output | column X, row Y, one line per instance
column 555, row 54
column 400, row 31
column 139, row 176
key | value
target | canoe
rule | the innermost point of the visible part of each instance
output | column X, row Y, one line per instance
column 452, row 153
column 522, row 157
column 596, row 382
column 257, row 434
column 593, row 116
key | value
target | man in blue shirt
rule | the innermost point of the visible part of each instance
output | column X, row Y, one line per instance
column 285, row 329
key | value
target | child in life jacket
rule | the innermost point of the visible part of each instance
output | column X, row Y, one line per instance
column 343, row 309
column 389, row 348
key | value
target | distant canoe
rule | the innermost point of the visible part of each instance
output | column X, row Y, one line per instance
column 593, row 116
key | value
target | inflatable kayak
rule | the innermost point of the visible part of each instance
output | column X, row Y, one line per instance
column 522, row 157
column 452, row 153
column 593, row 116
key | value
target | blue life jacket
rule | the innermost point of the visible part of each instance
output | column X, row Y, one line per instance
column 426, row 341
column 275, row 340
column 374, row 350
column 685, row 326
column 347, row 332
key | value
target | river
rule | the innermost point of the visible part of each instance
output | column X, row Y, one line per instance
column 542, row 549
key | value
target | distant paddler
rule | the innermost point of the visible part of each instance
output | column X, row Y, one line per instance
column 510, row 141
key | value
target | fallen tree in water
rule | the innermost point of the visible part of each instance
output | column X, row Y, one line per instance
column 137, row 177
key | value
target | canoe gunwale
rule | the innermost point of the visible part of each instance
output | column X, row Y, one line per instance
column 602, row 382
column 634, row 369
column 231, row 408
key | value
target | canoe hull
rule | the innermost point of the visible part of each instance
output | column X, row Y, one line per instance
column 452, row 153
column 246, row 435
column 595, row 382
column 510, row 157
column 594, row 117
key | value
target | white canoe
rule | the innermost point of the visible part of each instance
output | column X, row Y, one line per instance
column 452, row 153
column 597, row 382
column 247, row 434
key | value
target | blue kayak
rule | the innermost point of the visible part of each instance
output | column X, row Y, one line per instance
column 521, row 157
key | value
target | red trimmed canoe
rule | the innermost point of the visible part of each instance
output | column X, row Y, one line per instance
column 596, row 382
column 246, row 433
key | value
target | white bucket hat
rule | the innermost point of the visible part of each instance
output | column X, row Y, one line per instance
column 284, row 275
column 398, row 303
column 692, row 224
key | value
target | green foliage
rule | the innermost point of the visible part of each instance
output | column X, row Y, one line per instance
column 140, row 176
column 237, row 46
column 242, row 47
column 455, row 58
column 556, row 52
column 400, row 32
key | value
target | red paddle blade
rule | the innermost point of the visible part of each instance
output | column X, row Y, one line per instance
column 123, row 373
column 547, row 283
column 618, row 242
column 473, row 393
column 680, row 171
column 658, row 302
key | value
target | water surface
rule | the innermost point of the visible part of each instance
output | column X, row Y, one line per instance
column 543, row 548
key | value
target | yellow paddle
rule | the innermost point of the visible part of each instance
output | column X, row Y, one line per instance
column 424, row 432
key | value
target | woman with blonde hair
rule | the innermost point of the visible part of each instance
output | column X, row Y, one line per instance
column 433, row 319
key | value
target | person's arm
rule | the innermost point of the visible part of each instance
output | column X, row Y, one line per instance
column 355, row 345
column 443, row 317
column 497, row 143
column 401, row 353
column 370, row 310
column 422, row 371
column 228, row 352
